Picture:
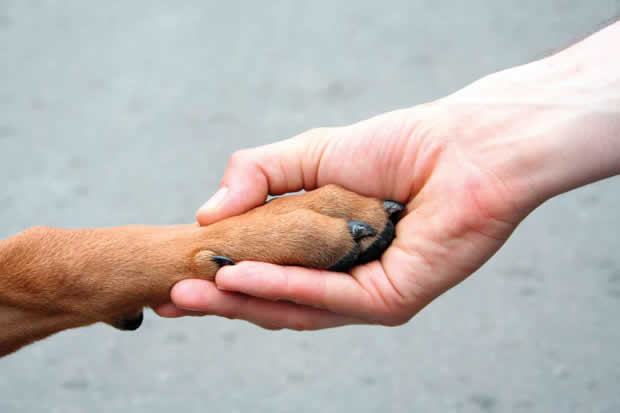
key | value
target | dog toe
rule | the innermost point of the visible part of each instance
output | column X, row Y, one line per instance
column 383, row 240
column 360, row 230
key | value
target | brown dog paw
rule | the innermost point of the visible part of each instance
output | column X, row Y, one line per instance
column 110, row 274
column 328, row 228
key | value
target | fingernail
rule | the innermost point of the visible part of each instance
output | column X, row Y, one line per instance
column 215, row 200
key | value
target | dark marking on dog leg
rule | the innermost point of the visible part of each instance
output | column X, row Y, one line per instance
column 133, row 323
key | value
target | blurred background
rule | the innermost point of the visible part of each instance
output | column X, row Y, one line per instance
column 121, row 112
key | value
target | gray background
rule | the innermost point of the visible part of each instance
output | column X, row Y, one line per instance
column 126, row 112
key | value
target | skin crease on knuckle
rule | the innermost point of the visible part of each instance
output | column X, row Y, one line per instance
column 240, row 158
column 244, row 165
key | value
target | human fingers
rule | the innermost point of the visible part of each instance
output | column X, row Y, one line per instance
column 367, row 295
column 203, row 296
column 169, row 310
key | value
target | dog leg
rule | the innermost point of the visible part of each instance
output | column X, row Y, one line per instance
column 54, row 279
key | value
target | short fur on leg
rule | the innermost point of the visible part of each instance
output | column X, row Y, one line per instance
column 54, row 279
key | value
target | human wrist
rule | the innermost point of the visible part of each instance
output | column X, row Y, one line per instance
column 546, row 127
column 578, row 91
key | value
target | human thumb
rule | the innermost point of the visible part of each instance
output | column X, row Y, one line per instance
column 252, row 174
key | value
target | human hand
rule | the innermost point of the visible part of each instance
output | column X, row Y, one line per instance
column 469, row 167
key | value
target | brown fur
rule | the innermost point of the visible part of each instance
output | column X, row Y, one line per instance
column 53, row 279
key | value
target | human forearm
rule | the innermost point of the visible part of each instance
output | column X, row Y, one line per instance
column 585, row 144
column 549, row 126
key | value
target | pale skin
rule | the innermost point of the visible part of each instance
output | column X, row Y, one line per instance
column 470, row 167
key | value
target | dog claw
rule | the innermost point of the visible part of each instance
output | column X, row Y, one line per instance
column 360, row 230
column 222, row 261
column 379, row 245
column 133, row 323
column 393, row 207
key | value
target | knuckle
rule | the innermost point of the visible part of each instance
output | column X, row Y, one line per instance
column 297, row 327
column 396, row 319
column 270, row 327
column 230, row 316
column 394, row 322
column 239, row 157
column 298, row 323
column 278, row 286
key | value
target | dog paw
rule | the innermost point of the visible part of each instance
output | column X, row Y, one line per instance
column 328, row 228
column 371, row 244
column 128, row 268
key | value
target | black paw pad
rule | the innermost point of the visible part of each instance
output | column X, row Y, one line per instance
column 360, row 230
column 346, row 262
column 132, row 323
column 221, row 260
